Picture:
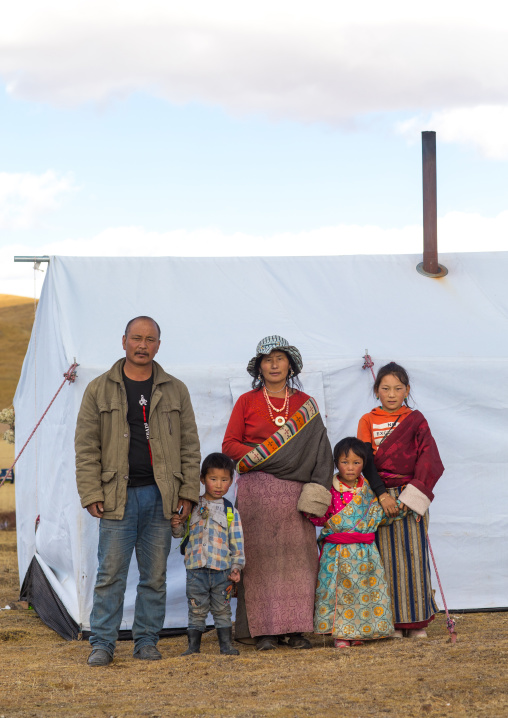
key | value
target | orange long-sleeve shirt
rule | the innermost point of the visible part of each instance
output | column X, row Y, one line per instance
column 374, row 426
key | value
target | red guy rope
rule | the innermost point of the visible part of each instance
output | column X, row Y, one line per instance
column 368, row 363
column 450, row 623
column 70, row 376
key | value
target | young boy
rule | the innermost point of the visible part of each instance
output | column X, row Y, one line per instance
column 213, row 556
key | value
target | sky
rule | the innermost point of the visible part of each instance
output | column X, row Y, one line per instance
column 224, row 128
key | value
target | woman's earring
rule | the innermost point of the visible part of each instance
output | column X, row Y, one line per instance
column 260, row 377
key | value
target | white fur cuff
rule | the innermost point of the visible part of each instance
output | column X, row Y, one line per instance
column 314, row 499
column 415, row 499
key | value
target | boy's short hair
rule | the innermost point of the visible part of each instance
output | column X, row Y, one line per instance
column 350, row 443
column 217, row 461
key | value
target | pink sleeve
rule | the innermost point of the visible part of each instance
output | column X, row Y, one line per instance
column 320, row 521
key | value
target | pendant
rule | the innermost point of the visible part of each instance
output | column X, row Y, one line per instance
column 279, row 420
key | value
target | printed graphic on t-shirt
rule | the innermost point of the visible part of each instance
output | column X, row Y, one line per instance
column 379, row 431
column 138, row 412
column 143, row 402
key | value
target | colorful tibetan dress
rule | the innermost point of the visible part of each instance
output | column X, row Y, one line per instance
column 352, row 596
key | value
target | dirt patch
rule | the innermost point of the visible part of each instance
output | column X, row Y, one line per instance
column 13, row 636
column 7, row 520
column 7, row 497
column 43, row 675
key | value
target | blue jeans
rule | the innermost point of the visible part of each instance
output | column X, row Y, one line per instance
column 145, row 529
column 208, row 590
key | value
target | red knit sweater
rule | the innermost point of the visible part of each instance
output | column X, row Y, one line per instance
column 250, row 421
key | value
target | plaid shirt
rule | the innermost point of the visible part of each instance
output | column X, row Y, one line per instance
column 212, row 544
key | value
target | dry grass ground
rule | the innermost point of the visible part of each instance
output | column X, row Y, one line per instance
column 16, row 319
column 43, row 675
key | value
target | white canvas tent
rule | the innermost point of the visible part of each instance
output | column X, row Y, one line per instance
column 451, row 334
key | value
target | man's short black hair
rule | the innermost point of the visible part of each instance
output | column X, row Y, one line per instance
column 350, row 443
column 150, row 319
column 217, row 461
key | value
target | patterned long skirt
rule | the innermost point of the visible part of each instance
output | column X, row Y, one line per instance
column 352, row 600
column 281, row 559
column 405, row 556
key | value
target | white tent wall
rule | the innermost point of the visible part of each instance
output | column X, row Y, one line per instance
column 451, row 334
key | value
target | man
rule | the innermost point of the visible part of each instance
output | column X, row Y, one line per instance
column 137, row 465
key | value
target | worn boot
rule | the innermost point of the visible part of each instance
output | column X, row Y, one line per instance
column 225, row 637
column 194, row 638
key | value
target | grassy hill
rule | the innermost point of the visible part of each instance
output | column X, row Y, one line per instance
column 16, row 319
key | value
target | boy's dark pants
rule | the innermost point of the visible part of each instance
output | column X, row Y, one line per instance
column 208, row 590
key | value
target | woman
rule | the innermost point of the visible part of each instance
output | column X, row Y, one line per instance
column 285, row 460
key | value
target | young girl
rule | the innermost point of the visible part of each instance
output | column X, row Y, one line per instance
column 407, row 458
column 352, row 597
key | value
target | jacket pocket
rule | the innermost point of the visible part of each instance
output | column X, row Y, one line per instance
column 111, row 429
column 109, row 486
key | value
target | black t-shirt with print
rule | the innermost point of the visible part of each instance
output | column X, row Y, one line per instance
column 138, row 411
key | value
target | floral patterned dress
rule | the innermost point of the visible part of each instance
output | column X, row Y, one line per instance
column 352, row 597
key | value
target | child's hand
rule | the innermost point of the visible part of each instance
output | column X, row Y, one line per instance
column 234, row 575
column 176, row 521
column 389, row 505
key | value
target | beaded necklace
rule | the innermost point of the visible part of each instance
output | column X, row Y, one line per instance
column 352, row 489
column 279, row 420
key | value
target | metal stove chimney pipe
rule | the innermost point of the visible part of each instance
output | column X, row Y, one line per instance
column 430, row 266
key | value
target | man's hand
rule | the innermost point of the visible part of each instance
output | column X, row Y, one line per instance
column 96, row 509
column 234, row 575
column 187, row 508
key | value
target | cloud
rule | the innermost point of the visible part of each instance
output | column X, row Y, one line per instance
column 321, row 61
column 26, row 197
column 483, row 127
column 457, row 232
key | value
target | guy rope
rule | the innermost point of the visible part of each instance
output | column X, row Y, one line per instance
column 450, row 623
column 70, row 376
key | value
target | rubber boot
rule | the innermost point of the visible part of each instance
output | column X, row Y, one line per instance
column 225, row 637
column 194, row 638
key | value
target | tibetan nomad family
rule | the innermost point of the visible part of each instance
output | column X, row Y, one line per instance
column 138, row 470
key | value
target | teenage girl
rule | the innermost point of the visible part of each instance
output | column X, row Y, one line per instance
column 407, row 458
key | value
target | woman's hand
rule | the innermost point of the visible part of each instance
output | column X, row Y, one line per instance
column 390, row 506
